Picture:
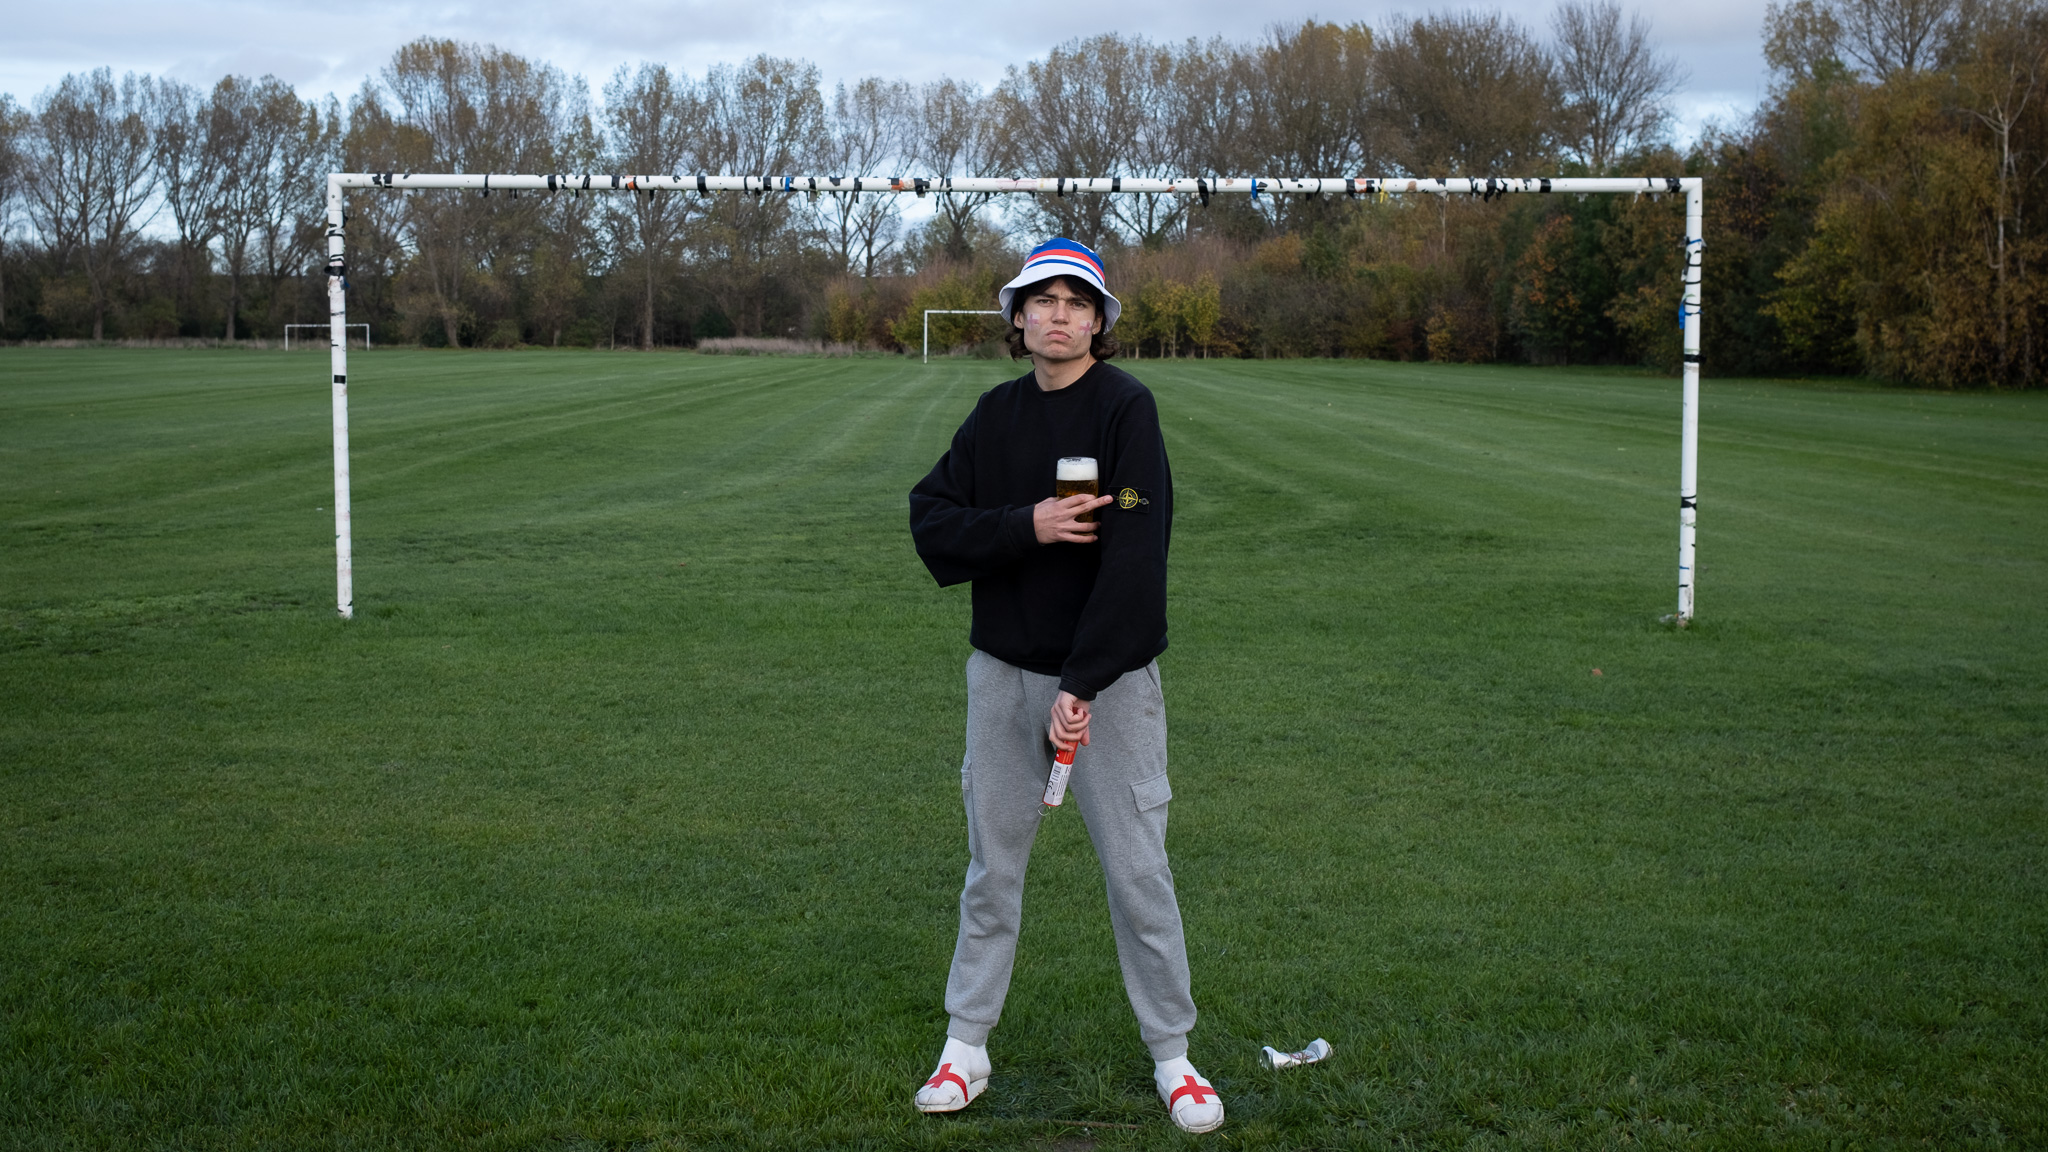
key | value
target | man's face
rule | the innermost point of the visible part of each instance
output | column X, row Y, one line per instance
column 1058, row 322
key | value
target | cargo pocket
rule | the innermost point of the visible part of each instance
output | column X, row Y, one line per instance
column 1152, row 793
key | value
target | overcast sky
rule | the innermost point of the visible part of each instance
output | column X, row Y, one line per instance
column 322, row 48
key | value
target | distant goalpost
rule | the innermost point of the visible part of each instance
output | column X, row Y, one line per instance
column 288, row 332
column 1691, row 187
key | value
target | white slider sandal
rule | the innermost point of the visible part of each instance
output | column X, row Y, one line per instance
column 1190, row 1099
column 962, row 1075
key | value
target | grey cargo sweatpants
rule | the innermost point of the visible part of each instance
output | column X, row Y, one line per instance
column 1119, row 784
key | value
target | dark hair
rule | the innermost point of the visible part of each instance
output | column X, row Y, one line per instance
column 1102, row 346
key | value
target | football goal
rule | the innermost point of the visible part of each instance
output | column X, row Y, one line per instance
column 339, row 184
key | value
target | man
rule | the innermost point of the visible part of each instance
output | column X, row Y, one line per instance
column 1069, row 615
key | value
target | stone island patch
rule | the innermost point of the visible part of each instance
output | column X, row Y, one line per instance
column 1134, row 500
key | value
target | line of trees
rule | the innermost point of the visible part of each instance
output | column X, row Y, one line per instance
column 1875, row 214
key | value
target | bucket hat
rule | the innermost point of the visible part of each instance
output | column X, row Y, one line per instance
column 1060, row 256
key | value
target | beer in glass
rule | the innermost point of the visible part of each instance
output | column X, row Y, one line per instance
column 1075, row 476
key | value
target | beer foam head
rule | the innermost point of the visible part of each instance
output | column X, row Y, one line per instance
column 1075, row 468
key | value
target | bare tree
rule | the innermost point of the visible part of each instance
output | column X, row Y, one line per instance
column 93, row 181
column 1154, row 150
column 1085, row 110
column 1312, row 110
column 1614, row 81
column 2003, row 79
column 567, row 240
column 1467, row 94
column 467, row 108
column 866, row 129
column 1880, row 38
column 250, row 126
column 957, row 132
column 1213, row 115
column 1888, row 37
column 293, row 232
column 764, row 117
column 240, row 154
column 15, row 125
column 1211, row 108
column 377, row 244
column 189, row 180
column 653, row 120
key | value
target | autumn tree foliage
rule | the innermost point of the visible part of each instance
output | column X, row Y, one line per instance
column 1877, row 214
column 1883, row 202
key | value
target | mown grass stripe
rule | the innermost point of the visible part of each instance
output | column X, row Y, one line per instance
column 634, row 786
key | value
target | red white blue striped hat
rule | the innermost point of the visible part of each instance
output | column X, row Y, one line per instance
column 1060, row 256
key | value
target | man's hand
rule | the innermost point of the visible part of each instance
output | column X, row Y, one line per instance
column 1069, row 721
column 1054, row 521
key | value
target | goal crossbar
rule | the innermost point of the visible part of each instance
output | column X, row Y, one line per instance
column 1201, row 187
column 1057, row 185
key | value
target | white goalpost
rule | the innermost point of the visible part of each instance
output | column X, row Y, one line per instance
column 1691, row 187
column 288, row 332
column 931, row 312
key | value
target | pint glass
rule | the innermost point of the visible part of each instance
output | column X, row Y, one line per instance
column 1076, row 475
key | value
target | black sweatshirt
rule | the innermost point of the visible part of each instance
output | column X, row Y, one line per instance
column 1087, row 613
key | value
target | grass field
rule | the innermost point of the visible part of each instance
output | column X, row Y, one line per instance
column 625, row 814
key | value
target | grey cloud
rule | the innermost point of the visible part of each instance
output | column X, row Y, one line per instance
column 302, row 43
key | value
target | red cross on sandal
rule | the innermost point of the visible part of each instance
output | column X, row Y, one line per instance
column 944, row 1074
column 1194, row 1088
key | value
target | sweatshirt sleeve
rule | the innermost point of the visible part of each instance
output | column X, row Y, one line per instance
column 1123, row 625
column 956, row 540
